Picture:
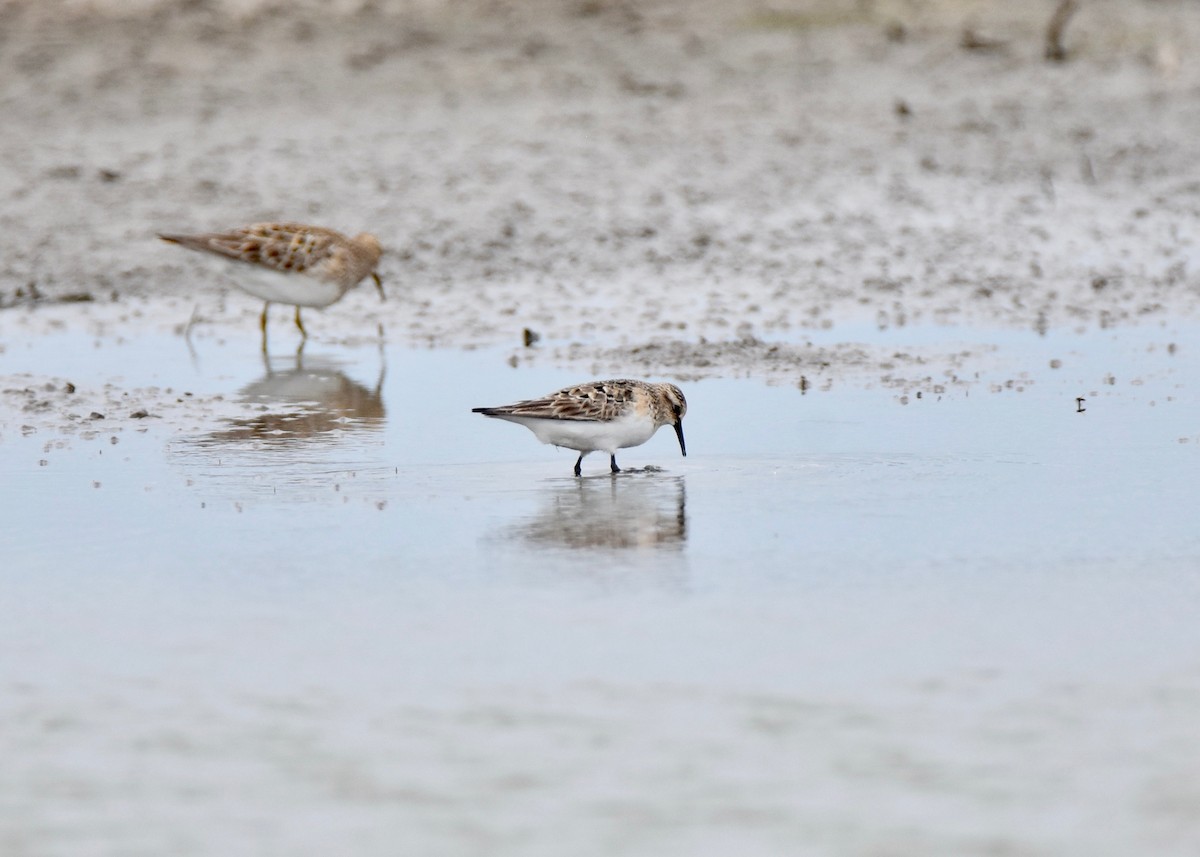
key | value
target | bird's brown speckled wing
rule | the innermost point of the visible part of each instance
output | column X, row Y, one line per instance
column 591, row 402
column 285, row 247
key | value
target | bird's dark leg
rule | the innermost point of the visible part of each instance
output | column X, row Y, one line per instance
column 300, row 324
column 613, row 463
column 579, row 465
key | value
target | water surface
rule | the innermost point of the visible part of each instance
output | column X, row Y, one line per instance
column 360, row 619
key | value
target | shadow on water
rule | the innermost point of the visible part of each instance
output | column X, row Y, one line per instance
column 311, row 428
column 306, row 400
column 636, row 510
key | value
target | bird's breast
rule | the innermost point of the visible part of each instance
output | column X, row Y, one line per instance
column 277, row 287
column 591, row 436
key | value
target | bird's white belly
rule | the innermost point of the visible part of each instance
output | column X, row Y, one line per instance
column 295, row 289
column 584, row 436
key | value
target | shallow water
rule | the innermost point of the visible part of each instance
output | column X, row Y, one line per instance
column 355, row 618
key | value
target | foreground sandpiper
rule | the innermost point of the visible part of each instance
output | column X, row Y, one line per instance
column 599, row 416
column 291, row 263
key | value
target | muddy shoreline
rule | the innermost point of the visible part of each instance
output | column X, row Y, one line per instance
column 662, row 185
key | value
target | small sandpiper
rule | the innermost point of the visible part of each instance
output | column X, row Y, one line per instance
column 291, row 263
column 599, row 416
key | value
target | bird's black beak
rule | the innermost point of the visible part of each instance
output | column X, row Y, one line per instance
column 679, row 434
column 379, row 286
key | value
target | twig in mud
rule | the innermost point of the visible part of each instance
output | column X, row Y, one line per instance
column 187, row 337
column 1055, row 52
column 187, row 331
column 1087, row 172
column 972, row 41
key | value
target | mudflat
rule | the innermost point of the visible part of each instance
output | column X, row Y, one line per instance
column 664, row 184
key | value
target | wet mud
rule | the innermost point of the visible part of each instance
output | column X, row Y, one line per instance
column 675, row 189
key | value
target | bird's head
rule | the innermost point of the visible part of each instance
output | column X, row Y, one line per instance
column 676, row 407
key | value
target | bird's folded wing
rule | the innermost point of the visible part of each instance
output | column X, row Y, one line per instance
column 279, row 246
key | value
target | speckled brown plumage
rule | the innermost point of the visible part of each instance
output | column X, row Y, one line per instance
column 599, row 415
column 291, row 263
column 292, row 248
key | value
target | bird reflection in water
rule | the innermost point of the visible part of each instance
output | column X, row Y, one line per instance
column 310, row 400
column 636, row 510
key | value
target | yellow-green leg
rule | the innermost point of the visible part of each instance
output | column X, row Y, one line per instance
column 262, row 325
column 300, row 324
